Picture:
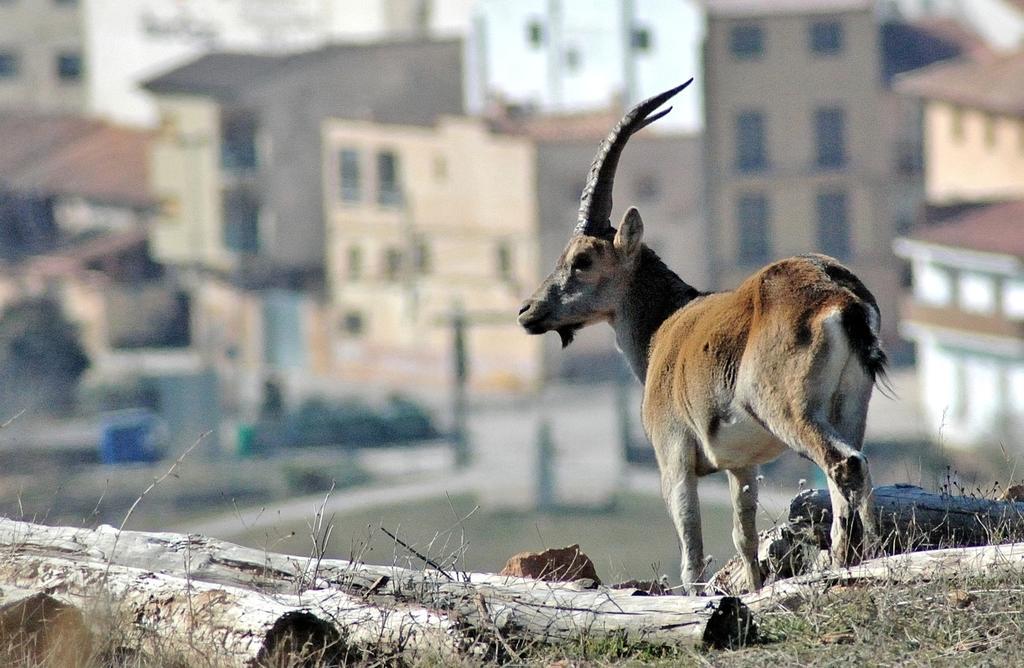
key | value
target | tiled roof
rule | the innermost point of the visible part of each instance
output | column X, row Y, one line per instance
column 221, row 75
column 558, row 127
column 995, row 85
column 752, row 8
column 65, row 155
column 998, row 228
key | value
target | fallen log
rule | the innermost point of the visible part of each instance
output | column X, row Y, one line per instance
column 909, row 520
column 36, row 629
column 503, row 605
column 912, row 519
column 947, row 564
column 171, row 618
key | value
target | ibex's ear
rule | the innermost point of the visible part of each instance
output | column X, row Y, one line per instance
column 630, row 233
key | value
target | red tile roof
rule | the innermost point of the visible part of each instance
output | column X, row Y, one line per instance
column 995, row 85
column 66, row 155
column 998, row 228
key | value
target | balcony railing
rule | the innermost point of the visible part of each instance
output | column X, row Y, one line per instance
column 948, row 317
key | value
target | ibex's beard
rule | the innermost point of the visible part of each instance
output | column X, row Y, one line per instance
column 568, row 333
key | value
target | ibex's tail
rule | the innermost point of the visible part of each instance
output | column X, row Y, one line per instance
column 860, row 321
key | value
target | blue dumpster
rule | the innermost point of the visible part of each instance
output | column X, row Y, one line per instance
column 129, row 436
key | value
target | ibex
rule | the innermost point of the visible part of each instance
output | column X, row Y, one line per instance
column 789, row 358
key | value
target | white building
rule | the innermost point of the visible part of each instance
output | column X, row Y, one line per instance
column 129, row 41
column 578, row 55
column 966, row 315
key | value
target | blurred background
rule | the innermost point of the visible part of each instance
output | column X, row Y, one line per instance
column 292, row 235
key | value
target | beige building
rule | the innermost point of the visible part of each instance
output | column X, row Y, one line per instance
column 974, row 128
column 41, row 55
column 800, row 141
column 422, row 222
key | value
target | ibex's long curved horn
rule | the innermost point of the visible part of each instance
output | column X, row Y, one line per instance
column 596, row 200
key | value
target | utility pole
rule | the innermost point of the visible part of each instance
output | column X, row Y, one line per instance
column 460, row 437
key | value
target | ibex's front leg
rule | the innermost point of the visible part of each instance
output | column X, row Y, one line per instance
column 679, row 488
column 743, row 485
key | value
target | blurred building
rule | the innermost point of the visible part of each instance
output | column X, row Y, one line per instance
column 966, row 316
column 966, row 309
column 424, row 224
column 237, row 160
column 808, row 149
column 42, row 46
column 567, row 56
column 470, row 215
column 999, row 22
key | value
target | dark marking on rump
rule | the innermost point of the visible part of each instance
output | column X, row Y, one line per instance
column 863, row 340
column 803, row 328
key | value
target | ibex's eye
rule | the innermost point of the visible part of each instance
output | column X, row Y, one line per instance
column 582, row 263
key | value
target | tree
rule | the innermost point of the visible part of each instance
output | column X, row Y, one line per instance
column 41, row 357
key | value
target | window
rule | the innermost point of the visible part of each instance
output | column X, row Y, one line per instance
column 750, row 142
column 352, row 323
column 535, row 34
column 932, row 284
column 238, row 142
column 746, row 42
column 573, row 59
column 826, row 37
column 830, row 136
column 752, row 223
column 640, row 39
column 388, row 192
column 355, row 263
column 241, row 221
column 504, row 261
column 956, row 122
column 392, row 264
column 9, row 64
column 834, row 225
column 977, row 292
column 349, row 176
column 69, row 67
column 422, row 258
column 1013, row 299
column 440, row 168
column 991, row 124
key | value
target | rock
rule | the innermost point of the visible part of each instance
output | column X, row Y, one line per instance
column 958, row 598
column 555, row 565
column 1013, row 493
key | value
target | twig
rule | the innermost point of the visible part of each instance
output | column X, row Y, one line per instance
column 12, row 419
column 425, row 559
column 481, row 604
column 152, row 486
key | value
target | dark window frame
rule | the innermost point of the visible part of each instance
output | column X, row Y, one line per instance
column 830, row 145
column 350, row 175
column 13, row 60
column 826, row 36
column 70, row 66
column 746, row 41
column 751, row 141
column 389, row 191
column 832, row 216
column 753, row 229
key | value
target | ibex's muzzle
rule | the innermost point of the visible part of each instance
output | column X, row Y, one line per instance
column 531, row 317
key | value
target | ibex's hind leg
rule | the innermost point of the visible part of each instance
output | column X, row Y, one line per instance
column 798, row 409
column 743, row 486
column 679, row 489
column 849, row 415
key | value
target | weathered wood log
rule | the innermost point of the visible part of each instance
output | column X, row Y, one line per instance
column 173, row 618
column 912, row 519
column 36, row 629
column 949, row 564
column 507, row 606
column 909, row 519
